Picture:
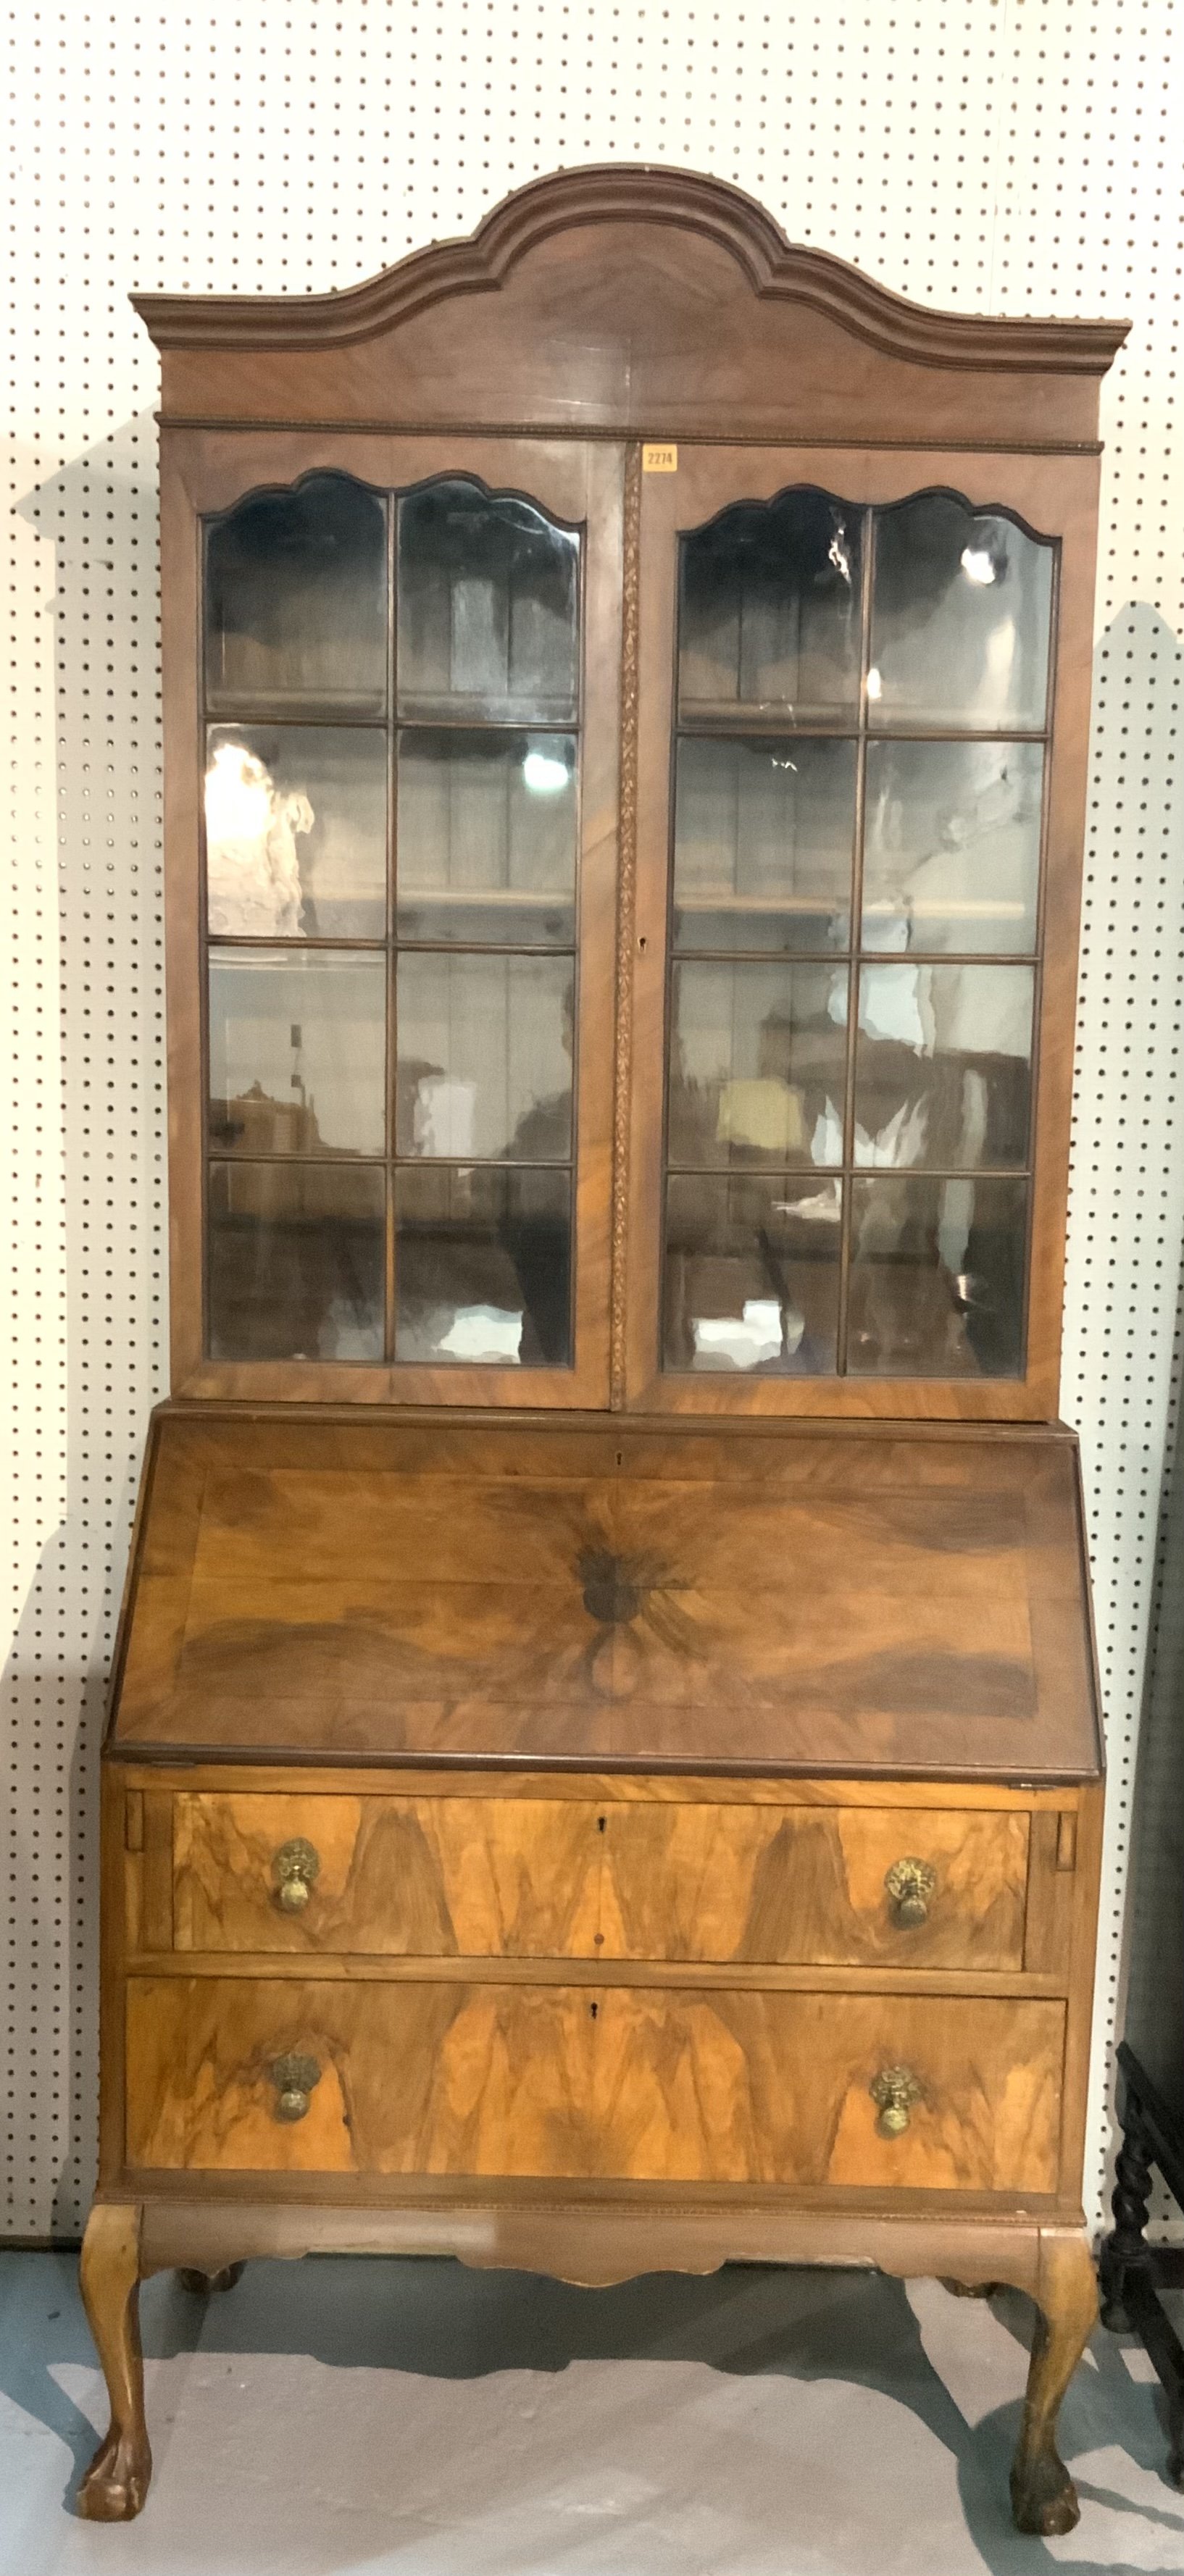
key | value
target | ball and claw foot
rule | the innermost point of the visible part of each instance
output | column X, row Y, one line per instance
column 205, row 2284
column 116, row 2483
column 1043, row 2496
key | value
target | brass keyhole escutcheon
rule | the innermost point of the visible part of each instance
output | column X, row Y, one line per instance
column 295, row 1871
column 910, row 1884
column 294, row 2079
column 895, row 2092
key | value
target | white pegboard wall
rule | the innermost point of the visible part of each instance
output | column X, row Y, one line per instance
column 1004, row 155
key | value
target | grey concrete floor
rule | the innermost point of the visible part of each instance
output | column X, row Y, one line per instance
column 335, row 2416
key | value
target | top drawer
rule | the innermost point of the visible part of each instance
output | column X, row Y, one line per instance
column 641, row 1879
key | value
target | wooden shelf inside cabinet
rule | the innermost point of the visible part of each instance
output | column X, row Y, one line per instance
column 608, row 1625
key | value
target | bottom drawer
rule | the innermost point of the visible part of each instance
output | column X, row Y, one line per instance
column 639, row 2083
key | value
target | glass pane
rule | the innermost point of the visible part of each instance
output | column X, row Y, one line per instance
column 487, row 607
column 487, row 838
column 752, row 1274
column 952, row 845
column 483, row 1267
column 937, row 1278
column 757, row 1064
column 296, row 831
column 763, row 840
column 943, row 1066
column 769, row 613
column 960, row 618
column 485, row 1058
column 296, row 600
column 297, row 1053
column 296, row 1261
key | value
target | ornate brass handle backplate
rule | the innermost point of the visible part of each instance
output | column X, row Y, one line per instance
column 294, row 2078
column 295, row 1871
column 895, row 2092
column 910, row 1884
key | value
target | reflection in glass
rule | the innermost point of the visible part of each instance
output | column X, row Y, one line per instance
column 296, row 831
column 487, row 837
column 960, row 618
column 297, row 1052
column 485, row 1046
column 757, row 1064
column 937, row 1277
column 769, row 610
column 752, row 1273
column 952, row 845
column 483, row 1267
column 296, row 600
column 296, row 1261
column 762, row 843
column 487, row 606
column 943, row 1066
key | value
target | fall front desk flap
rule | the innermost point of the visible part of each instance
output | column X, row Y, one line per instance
column 597, row 1592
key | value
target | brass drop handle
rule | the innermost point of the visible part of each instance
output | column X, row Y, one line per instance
column 895, row 2092
column 295, row 1871
column 910, row 1884
column 294, row 2078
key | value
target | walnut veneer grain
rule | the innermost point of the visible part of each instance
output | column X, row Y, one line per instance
column 506, row 1877
column 630, row 2084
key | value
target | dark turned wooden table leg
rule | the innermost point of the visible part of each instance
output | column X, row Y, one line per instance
column 1125, row 2250
column 1133, row 2272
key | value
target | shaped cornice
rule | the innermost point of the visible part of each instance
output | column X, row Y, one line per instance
column 772, row 269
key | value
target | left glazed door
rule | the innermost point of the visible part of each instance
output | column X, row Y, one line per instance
column 392, row 721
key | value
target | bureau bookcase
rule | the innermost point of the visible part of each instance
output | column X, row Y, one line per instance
column 604, row 1767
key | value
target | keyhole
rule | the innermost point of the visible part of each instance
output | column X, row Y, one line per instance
column 602, row 1824
column 594, row 2009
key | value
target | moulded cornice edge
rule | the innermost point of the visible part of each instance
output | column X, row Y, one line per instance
column 771, row 266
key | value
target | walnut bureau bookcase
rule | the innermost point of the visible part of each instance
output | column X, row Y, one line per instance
column 603, row 1770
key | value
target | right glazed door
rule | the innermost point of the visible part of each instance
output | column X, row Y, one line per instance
column 845, row 1181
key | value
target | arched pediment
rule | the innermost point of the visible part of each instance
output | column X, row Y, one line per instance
column 630, row 300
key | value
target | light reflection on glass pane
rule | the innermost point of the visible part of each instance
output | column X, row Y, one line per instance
column 296, row 831
column 757, row 1064
column 763, row 843
column 960, row 618
column 937, row 1277
column 483, row 1267
column 297, row 1052
column 296, row 1261
column 752, row 1273
column 769, row 610
column 943, row 1066
column 487, row 617
column 487, row 837
column 295, row 606
column 952, row 846
column 485, row 1046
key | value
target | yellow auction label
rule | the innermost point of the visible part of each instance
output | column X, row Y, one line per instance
column 659, row 460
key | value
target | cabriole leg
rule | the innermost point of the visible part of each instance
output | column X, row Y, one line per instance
column 116, row 2482
column 1043, row 2499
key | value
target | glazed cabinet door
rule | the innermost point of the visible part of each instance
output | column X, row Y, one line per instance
column 862, row 710
column 393, row 712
